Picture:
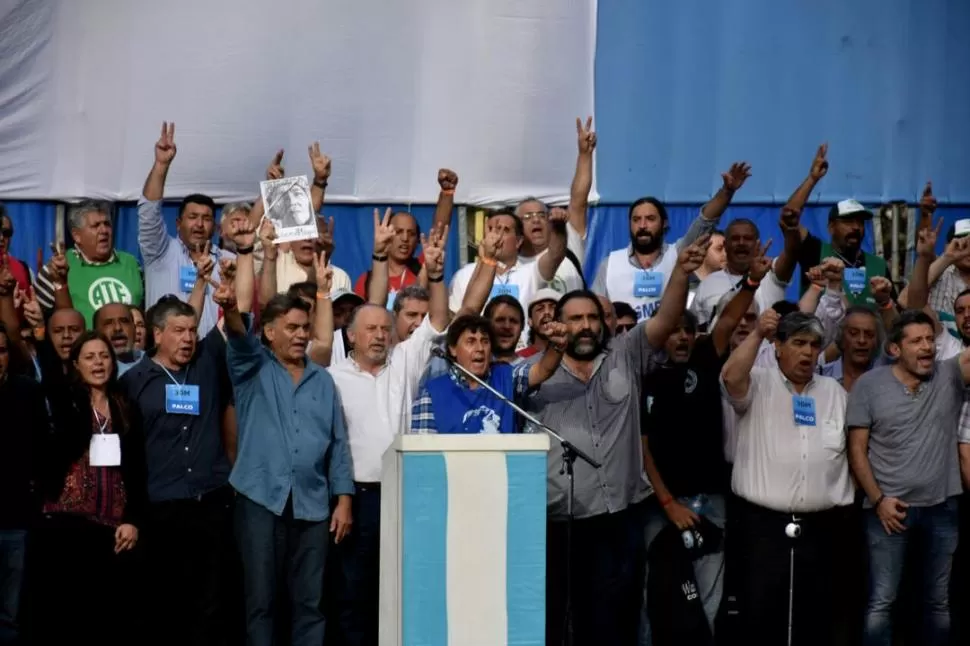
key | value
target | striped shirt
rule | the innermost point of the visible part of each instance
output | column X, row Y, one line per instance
column 164, row 257
column 943, row 294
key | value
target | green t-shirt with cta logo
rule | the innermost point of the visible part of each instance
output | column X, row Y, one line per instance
column 92, row 285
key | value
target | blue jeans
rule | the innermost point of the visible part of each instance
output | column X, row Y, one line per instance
column 937, row 528
column 11, row 579
column 708, row 570
column 278, row 549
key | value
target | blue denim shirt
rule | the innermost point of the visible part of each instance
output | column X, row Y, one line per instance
column 292, row 439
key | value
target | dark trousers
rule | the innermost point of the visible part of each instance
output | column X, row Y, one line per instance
column 191, row 559
column 356, row 572
column 13, row 546
column 607, row 565
column 763, row 580
column 80, row 590
column 277, row 549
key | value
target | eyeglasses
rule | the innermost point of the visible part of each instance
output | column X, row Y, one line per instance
column 624, row 327
column 6, row 233
column 542, row 215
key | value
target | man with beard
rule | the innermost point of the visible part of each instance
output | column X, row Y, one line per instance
column 591, row 400
column 743, row 244
column 683, row 440
column 847, row 227
column 542, row 309
column 791, row 478
column 535, row 217
column 376, row 385
column 902, row 422
column 115, row 322
column 638, row 273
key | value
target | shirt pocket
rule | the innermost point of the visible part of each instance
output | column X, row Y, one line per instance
column 833, row 436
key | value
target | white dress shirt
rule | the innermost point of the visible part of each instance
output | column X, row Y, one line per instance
column 785, row 466
column 378, row 407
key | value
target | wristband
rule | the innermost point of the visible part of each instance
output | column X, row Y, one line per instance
column 666, row 502
column 447, row 191
column 322, row 184
column 377, row 258
column 436, row 279
column 39, row 332
column 750, row 285
column 487, row 261
column 243, row 251
column 323, row 295
column 879, row 500
column 888, row 305
column 815, row 286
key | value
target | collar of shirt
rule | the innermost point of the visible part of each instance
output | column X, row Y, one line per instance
column 631, row 254
column 309, row 367
column 597, row 362
column 791, row 387
column 87, row 261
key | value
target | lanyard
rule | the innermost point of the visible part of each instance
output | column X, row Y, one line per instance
column 174, row 380
column 102, row 421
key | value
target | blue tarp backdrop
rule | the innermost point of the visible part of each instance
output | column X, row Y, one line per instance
column 34, row 223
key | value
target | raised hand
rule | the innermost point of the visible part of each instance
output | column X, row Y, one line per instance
column 267, row 238
column 927, row 203
column 558, row 217
column 761, row 263
column 33, row 312
column 319, row 162
column 447, row 179
column 7, row 281
column 820, row 165
column 165, row 146
column 585, row 136
column 881, row 289
column 958, row 249
column 926, row 240
column 832, row 270
column 768, row 323
column 19, row 296
column 489, row 245
column 224, row 295
column 735, row 176
column 227, row 269
column 57, row 266
column 790, row 219
column 323, row 273
column 383, row 232
column 204, row 264
column 692, row 256
column 243, row 234
column 434, row 251
column 275, row 168
column 556, row 333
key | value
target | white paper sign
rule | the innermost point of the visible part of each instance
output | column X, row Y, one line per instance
column 288, row 206
column 105, row 450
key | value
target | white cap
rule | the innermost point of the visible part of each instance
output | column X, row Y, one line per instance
column 544, row 294
column 961, row 228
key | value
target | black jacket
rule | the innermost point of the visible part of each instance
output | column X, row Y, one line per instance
column 22, row 432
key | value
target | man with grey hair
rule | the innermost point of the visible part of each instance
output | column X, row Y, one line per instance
column 410, row 307
column 95, row 273
column 791, row 479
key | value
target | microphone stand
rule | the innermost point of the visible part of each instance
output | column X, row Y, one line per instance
column 569, row 454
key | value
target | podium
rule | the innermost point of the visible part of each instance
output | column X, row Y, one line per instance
column 463, row 540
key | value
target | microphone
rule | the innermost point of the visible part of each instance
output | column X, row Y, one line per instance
column 568, row 447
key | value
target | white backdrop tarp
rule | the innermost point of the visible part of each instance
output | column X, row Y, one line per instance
column 392, row 89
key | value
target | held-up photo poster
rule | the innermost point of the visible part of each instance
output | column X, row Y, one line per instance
column 288, row 207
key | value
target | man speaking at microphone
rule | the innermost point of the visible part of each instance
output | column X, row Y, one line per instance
column 456, row 403
column 592, row 401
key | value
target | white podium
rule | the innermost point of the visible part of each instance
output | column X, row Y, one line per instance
column 463, row 540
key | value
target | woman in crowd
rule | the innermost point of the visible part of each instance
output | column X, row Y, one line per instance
column 93, row 484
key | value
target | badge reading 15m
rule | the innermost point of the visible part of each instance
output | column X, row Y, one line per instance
column 181, row 399
column 804, row 409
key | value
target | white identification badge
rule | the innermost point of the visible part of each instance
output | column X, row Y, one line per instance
column 105, row 450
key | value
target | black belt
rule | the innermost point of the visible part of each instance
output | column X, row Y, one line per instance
column 367, row 486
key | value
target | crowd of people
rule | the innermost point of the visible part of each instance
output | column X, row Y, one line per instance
column 195, row 448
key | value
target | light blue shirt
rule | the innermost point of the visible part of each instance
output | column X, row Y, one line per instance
column 292, row 438
column 125, row 366
column 163, row 256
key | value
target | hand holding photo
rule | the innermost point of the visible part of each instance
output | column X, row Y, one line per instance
column 287, row 203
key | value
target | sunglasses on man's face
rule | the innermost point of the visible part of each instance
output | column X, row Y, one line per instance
column 6, row 233
column 624, row 327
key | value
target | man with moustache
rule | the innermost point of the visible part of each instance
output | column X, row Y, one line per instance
column 591, row 400
column 902, row 422
column 792, row 483
column 95, row 272
column 542, row 309
column 638, row 273
column 116, row 323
